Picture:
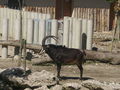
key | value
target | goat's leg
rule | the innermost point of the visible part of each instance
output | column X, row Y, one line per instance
column 81, row 70
column 58, row 70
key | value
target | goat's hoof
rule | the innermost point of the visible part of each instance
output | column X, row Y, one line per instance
column 81, row 79
column 57, row 82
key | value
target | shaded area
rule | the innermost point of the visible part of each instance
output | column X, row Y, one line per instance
column 75, row 78
column 84, row 41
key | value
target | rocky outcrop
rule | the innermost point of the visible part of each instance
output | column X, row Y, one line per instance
column 15, row 78
column 97, row 85
column 41, row 78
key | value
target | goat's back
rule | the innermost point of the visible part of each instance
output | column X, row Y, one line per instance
column 65, row 55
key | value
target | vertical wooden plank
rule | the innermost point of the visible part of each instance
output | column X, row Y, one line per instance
column 84, row 13
column 81, row 12
column 95, row 20
column 105, row 18
column 78, row 12
column 103, row 15
column 108, row 18
column 75, row 12
column 100, row 20
column 91, row 13
column 88, row 13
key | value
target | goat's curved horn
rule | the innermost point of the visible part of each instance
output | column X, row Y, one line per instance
column 45, row 38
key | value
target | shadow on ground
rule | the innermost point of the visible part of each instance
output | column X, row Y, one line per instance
column 74, row 78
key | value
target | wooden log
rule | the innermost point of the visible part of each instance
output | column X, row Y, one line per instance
column 5, row 37
column 17, row 43
column 105, row 57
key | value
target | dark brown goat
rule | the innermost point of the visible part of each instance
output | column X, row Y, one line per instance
column 63, row 55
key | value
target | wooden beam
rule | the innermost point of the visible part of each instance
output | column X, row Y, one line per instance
column 17, row 43
column 106, row 57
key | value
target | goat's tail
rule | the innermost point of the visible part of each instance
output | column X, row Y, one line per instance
column 84, row 53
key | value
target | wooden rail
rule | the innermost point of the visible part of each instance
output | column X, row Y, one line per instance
column 17, row 43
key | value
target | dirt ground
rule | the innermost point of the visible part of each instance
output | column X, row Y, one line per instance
column 70, row 73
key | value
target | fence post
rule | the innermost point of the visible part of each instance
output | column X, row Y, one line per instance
column 17, row 29
column 24, row 28
column 89, row 35
column 30, row 31
column 36, row 31
column 4, row 37
column 41, row 30
column 73, row 33
column 54, row 29
column 43, row 16
column 66, row 32
column 48, row 16
column 17, row 34
column 70, row 32
column 24, row 24
column 48, row 30
column 78, row 32
column 11, row 22
column 40, row 16
column 84, row 33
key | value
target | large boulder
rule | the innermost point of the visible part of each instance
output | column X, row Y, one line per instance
column 16, row 77
column 13, row 77
column 72, row 86
column 42, row 88
column 57, row 87
column 97, row 85
column 41, row 78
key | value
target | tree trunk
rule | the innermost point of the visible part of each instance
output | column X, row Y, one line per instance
column 105, row 57
column 17, row 43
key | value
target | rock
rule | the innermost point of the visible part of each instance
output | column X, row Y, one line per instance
column 97, row 85
column 115, row 62
column 113, row 86
column 92, row 85
column 12, row 72
column 16, row 57
column 1, row 70
column 27, row 89
column 72, row 86
column 4, row 86
column 42, row 88
column 57, row 87
column 29, row 56
column 41, row 78
column 14, row 77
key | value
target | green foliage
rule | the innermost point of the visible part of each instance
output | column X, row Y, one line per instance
column 111, row 1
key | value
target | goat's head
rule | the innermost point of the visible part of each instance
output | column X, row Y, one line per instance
column 45, row 47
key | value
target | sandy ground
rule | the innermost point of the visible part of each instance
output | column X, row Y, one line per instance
column 70, row 73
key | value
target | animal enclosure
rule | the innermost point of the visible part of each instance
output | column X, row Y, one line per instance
column 72, row 32
column 100, row 16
